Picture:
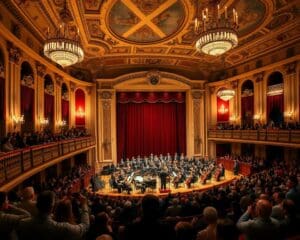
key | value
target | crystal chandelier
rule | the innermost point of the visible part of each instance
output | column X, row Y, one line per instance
column 226, row 94
column 216, row 33
column 63, row 47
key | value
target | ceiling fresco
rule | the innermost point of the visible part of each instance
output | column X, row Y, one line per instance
column 120, row 36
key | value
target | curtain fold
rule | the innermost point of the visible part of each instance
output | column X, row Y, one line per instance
column 79, row 106
column 222, row 110
column 144, row 128
column 247, row 109
column 275, row 108
column 49, row 108
column 27, row 108
column 65, row 110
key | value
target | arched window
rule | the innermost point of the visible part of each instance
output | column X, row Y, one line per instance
column 2, row 95
column 275, row 107
column 80, row 108
column 27, row 97
column 48, row 121
column 65, row 106
column 247, row 103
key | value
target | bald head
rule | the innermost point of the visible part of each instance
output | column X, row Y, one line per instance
column 264, row 208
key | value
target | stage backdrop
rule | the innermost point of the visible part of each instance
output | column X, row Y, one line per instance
column 150, row 122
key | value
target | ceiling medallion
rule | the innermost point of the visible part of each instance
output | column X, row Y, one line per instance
column 63, row 47
column 226, row 94
column 216, row 34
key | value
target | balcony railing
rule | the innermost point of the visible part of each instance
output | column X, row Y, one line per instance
column 15, row 163
column 263, row 135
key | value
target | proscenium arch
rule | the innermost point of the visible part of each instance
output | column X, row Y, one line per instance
column 138, row 81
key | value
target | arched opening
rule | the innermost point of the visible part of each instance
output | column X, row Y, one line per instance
column 275, row 107
column 2, row 95
column 80, row 108
column 65, row 106
column 48, row 122
column 247, row 103
column 27, row 97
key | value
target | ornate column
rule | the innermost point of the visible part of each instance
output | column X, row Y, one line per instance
column 106, row 120
column 260, row 107
column 14, row 73
column 40, row 70
column 57, row 100
column 198, row 122
column 290, row 92
column 235, row 113
column 211, row 106
column 89, row 109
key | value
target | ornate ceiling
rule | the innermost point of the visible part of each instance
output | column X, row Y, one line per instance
column 120, row 36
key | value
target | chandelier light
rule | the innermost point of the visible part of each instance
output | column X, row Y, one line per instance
column 63, row 47
column 226, row 94
column 216, row 33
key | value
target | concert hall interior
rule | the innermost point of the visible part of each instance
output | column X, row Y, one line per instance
column 149, row 119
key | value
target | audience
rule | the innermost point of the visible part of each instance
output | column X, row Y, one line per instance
column 263, row 205
column 43, row 226
column 15, row 141
column 10, row 217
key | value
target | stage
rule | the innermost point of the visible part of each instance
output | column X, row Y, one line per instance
column 182, row 189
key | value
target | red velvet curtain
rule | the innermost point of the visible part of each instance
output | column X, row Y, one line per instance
column 150, row 123
column 49, row 108
column 65, row 110
column 247, row 109
column 27, row 108
column 79, row 106
column 222, row 110
column 275, row 104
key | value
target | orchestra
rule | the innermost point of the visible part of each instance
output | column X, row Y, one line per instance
column 142, row 173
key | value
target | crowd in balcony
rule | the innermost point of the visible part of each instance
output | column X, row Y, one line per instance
column 16, row 140
column 265, row 205
column 259, row 126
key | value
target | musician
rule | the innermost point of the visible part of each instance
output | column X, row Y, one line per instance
column 163, row 178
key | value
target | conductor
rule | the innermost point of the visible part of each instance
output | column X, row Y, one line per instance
column 163, row 179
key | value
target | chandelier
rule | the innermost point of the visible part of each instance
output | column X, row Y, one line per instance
column 226, row 94
column 216, row 33
column 63, row 47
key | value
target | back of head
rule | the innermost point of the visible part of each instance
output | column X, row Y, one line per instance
column 45, row 202
column 150, row 206
column 210, row 215
column 28, row 193
column 264, row 208
column 101, row 219
column 104, row 237
column 63, row 211
column 184, row 230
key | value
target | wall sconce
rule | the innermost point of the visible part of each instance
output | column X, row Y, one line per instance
column 290, row 115
column 80, row 113
column 233, row 118
column 18, row 120
column 44, row 122
column 222, row 109
column 257, row 117
column 61, row 123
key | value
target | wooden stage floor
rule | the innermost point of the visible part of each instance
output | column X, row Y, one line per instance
column 107, row 191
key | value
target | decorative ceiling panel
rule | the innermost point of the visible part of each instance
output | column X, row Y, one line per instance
column 145, row 33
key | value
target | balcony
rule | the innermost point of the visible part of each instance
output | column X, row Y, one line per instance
column 288, row 138
column 17, row 165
